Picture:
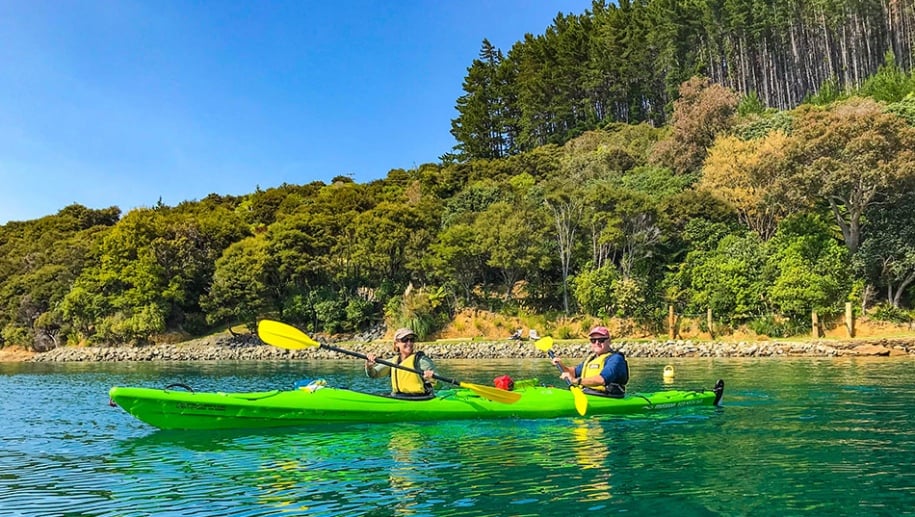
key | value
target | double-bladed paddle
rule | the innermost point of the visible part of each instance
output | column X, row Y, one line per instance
column 286, row 336
column 545, row 344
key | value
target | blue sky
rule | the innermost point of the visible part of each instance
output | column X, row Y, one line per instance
column 123, row 102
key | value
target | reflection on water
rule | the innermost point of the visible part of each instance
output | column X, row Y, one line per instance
column 591, row 451
column 789, row 433
column 407, row 469
column 406, row 478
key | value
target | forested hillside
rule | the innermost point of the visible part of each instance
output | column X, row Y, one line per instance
column 624, row 62
column 687, row 190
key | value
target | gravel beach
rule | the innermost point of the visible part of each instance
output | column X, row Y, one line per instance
column 248, row 348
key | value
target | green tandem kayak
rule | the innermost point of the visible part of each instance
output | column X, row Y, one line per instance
column 184, row 409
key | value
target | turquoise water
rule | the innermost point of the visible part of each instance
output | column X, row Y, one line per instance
column 793, row 437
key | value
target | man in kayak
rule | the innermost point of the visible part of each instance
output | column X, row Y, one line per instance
column 604, row 372
column 404, row 383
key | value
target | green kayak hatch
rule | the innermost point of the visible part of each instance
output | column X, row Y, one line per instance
column 184, row 409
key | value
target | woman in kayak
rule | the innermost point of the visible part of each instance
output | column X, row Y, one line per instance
column 604, row 372
column 405, row 383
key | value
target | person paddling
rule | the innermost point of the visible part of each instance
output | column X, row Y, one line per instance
column 405, row 384
column 604, row 372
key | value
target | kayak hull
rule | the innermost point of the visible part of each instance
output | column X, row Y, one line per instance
column 180, row 409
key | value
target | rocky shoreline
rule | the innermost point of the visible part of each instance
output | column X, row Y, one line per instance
column 249, row 348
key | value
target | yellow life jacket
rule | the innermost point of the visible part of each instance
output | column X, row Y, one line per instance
column 403, row 381
column 593, row 366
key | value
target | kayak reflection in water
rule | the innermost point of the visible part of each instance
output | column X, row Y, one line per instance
column 604, row 372
column 405, row 384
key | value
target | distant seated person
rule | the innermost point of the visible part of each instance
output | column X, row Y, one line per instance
column 517, row 334
column 405, row 384
column 603, row 372
column 533, row 335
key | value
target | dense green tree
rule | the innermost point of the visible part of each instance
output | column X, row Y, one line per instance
column 483, row 127
column 904, row 109
column 150, row 270
column 657, row 182
column 808, row 268
column 475, row 198
column 887, row 254
column 39, row 261
column 457, row 259
column 623, row 227
column 726, row 279
column 121, row 294
column 593, row 289
column 512, row 238
column 262, row 207
column 890, row 83
column 241, row 290
column 386, row 238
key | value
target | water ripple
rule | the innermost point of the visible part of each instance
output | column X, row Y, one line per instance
column 793, row 430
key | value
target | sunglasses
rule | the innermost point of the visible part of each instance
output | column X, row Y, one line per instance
column 598, row 339
column 408, row 340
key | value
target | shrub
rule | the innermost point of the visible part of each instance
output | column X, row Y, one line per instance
column 628, row 297
column 331, row 313
column 593, row 289
column 772, row 326
column 887, row 312
column 564, row 332
column 422, row 310
column 359, row 312
column 195, row 323
column 15, row 335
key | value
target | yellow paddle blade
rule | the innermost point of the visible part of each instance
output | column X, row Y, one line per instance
column 493, row 394
column 544, row 344
column 581, row 400
column 284, row 336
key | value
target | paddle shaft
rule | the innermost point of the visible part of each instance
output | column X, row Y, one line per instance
column 388, row 363
column 561, row 370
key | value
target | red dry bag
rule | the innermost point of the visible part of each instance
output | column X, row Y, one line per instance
column 504, row 383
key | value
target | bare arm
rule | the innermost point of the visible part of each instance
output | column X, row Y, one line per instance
column 427, row 366
column 373, row 369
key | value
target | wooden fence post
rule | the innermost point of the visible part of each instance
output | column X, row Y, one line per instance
column 815, row 324
column 708, row 321
column 849, row 320
column 671, row 322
